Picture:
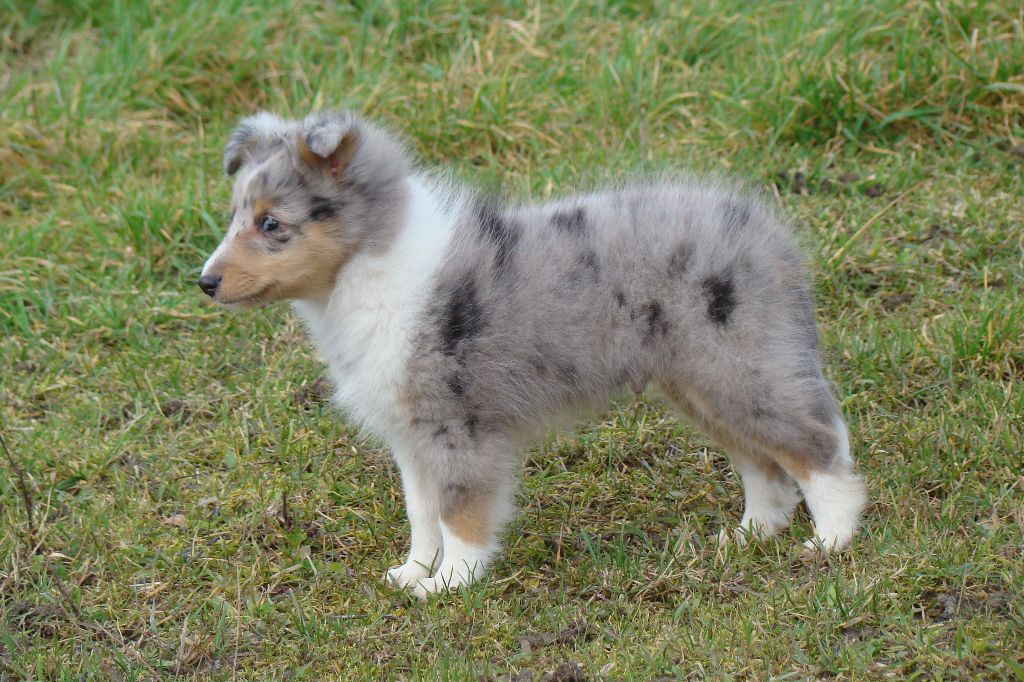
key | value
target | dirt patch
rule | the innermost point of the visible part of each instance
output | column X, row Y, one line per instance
column 183, row 412
column 312, row 394
column 793, row 183
column 894, row 301
column 118, row 417
column 874, row 190
column 798, row 182
column 577, row 630
column 46, row 620
column 942, row 605
column 859, row 632
column 565, row 672
column 175, row 407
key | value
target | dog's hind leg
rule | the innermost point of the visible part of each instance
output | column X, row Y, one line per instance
column 770, row 497
column 770, row 494
column 798, row 436
column 835, row 494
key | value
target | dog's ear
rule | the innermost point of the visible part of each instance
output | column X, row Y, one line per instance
column 328, row 140
column 252, row 134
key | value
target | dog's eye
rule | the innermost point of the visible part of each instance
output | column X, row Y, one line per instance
column 268, row 224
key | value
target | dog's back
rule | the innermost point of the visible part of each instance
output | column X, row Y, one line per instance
column 536, row 308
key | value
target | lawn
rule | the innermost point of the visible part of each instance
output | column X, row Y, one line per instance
column 178, row 501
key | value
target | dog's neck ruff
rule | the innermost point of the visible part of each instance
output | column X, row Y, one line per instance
column 364, row 329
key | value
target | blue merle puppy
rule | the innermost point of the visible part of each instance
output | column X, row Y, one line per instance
column 456, row 328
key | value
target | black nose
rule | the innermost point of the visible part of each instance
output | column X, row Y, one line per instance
column 209, row 284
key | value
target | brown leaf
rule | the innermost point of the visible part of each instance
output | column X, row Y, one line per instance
column 178, row 520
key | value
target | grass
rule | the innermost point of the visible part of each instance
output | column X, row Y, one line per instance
column 178, row 501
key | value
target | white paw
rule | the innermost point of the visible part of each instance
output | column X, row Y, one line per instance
column 439, row 584
column 449, row 578
column 835, row 501
column 407, row 575
column 828, row 542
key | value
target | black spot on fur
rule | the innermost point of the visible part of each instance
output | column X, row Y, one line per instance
column 572, row 222
column 323, row 209
column 588, row 261
column 735, row 215
column 456, row 383
column 441, row 430
column 587, row 267
column 721, row 298
column 538, row 363
column 471, row 423
column 568, row 372
column 455, row 490
column 462, row 318
column 679, row 261
column 655, row 324
column 620, row 298
column 500, row 232
column 623, row 378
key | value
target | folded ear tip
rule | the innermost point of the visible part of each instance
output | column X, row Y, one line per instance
column 324, row 139
column 324, row 131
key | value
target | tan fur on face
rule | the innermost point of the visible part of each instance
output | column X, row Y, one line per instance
column 304, row 267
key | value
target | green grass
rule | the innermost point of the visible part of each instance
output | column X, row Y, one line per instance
column 197, row 513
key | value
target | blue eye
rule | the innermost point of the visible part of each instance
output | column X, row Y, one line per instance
column 268, row 224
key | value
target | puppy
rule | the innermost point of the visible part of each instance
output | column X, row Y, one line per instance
column 455, row 328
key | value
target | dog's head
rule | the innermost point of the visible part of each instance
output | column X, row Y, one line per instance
column 308, row 195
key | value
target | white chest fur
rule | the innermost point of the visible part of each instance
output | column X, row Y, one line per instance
column 364, row 331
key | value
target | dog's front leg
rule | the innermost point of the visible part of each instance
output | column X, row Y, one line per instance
column 423, row 506
column 472, row 512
